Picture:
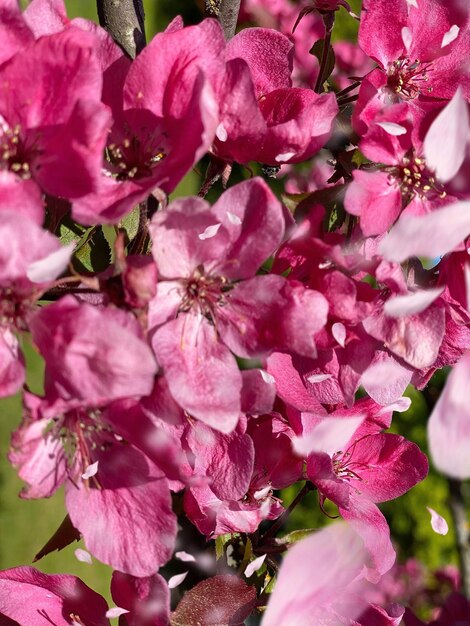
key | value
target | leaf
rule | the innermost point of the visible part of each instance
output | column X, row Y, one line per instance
column 294, row 536
column 292, row 200
column 317, row 51
column 217, row 601
column 94, row 255
column 220, row 543
column 130, row 223
column 63, row 536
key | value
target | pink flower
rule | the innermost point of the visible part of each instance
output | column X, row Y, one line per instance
column 164, row 122
column 28, row 596
column 53, row 142
column 209, row 302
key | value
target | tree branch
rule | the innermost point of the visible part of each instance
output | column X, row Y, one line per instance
column 124, row 21
column 227, row 13
column 459, row 514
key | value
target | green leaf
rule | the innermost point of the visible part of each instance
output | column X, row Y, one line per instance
column 317, row 51
column 94, row 254
column 294, row 536
column 130, row 223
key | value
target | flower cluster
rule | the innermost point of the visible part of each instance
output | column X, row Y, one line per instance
column 201, row 357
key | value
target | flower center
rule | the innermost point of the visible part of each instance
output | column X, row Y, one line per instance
column 345, row 466
column 14, row 155
column 13, row 308
column 408, row 79
column 415, row 179
column 204, row 292
column 81, row 432
column 133, row 158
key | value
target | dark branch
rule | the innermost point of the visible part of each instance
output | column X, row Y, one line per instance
column 227, row 13
column 124, row 21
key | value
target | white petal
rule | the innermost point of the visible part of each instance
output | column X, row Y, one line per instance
column 254, row 566
column 116, row 612
column 185, row 557
column 338, row 330
column 406, row 37
column 392, row 129
column 83, row 556
column 176, row 580
column 412, row 303
column 211, row 231
column 51, row 266
column 90, row 471
column 329, row 436
column 438, row 523
column 413, row 3
column 262, row 493
column 285, row 156
column 318, row 378
column 233, row 219
column 400, row 406
column 450, row 36
column 446, row 156
column 268, row 378
column 221, row 133
column 430, row 235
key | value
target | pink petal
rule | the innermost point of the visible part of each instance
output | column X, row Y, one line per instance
column 452, row 123
column 430, row 235
column 386, row 380
column 51, row 266
column 255, row 565
column 146, row 599
column 392, row 129
column 90, row 471
column 400, row 406
column 317, row 573
column 116, row 612
column 83, row 556
column 338, row 330
column 185, row 557
column 409, row 304
column 407, row 37
column 438, row 523
column 210, row 231
column 329, row 436
column 176, row 580
column 450, row 36
column 449, row 424
column 270, row 380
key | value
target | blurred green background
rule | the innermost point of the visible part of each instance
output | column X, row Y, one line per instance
column 25, row 526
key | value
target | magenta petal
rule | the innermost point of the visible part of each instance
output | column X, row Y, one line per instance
column 194, row 362
column 14, row 31
column 388, row 465
column 45, row 17
column 36, row 599
column 320, row 472
column 269, row 55
column 146, row 599
column 289, row 384
column 127, row 523
column 21, row 196
column 242, row 128
column 258, row 211
column 226, row 459
column 376, row 199
column 92, row 354
column 258, row 392
column 380, row 32
column 299, row 122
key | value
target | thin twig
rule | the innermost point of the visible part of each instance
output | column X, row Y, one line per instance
column 272, row 530
column 459, row 515
column 124, row 20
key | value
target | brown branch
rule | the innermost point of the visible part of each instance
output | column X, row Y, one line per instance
column 226, row 12
column 124, row 21
column 459, row 515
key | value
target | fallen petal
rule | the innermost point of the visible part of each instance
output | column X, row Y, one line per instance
column 438, row 523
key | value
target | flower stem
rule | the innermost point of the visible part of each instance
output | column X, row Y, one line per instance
column 272, row 530
column 226, row 12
